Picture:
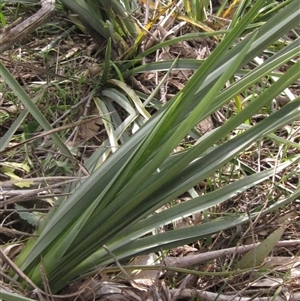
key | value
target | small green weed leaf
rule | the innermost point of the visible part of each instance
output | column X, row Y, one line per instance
column 9, row 168
column 25, row 184
column 14, row 165
column 10, row 173
column 14, row 177
column 31, row 217
column 256, row 256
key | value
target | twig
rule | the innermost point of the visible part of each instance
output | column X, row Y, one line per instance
column 43, row 134
column 20, row 273
column 129, row 278
column 14, row 233
column 16, row 31
column 209, row 296
column 193, row 260
column 23, row 195
column 126, row 274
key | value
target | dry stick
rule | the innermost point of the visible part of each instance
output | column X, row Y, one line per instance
column 12, row 183
column 45, row 282
column 43, row 134
column 9, row 280
column 14, row 233
column 16, row 31
column 20, row 273
column 209, row 296
column 238, row 294
column 193, row 260
column 180, row 289
column 153, row 287
column 37, row 290
column 66, row 113
column 129, row 278
column 23, row 197
column 126, row 274
column 172, row 263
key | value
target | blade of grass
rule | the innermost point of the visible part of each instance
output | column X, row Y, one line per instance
column 31, row 107
column 106, row 62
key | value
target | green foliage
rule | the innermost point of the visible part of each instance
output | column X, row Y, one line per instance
column 12, row 297
column 116, row 205
column 107, row 18
column 196, row 8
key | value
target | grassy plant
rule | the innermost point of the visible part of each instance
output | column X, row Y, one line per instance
column 132, row 176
